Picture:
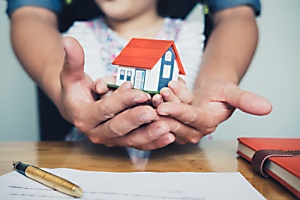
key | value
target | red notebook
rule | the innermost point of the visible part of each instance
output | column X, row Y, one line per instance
column 285, row 170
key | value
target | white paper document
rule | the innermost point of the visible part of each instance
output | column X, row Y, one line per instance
column 134, row 186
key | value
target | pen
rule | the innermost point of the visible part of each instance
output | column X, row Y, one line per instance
column 48, row 179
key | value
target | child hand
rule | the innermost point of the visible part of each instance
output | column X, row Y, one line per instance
column 175, row 92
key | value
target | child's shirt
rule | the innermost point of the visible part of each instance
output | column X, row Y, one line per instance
column 101, row 45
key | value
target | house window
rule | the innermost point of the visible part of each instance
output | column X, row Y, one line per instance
column 167, row 71
column 122, row 73
column 128, row 77
column 168, row 56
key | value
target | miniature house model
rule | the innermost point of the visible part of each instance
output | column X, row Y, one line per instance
column 149, row 64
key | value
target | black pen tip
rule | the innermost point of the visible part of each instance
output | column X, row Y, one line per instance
column 15, row 163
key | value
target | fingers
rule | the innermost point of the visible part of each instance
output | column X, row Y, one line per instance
column 169, row 96
column 183, row 133
column 163, row 141
column 157, row 100
column 125, row 86
column 73, row 69
column 180, row 90
column 100, row 85
column 204, row 121
column 175, row 92
column 101, row 88
column 124, row 122
column 178, row 132
column 106, row 108
column 151, row 136
column 166, row 95
column 246, row 101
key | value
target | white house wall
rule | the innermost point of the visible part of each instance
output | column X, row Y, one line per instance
column 152, row 77
column 175, row 71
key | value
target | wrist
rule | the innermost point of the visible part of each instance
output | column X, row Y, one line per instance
column 221, row 74
column 50, row 83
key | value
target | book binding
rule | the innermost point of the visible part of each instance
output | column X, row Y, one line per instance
column 261, row 156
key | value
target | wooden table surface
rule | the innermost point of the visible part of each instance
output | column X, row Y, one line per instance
column 208, row 156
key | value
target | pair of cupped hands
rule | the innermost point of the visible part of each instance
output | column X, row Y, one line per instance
column 124, row 116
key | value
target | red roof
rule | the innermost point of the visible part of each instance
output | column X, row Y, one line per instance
column 145, row 53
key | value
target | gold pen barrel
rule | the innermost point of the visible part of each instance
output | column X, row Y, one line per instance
column 53, row 181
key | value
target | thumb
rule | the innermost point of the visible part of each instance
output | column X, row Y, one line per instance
column 248, row 102
column 73, row 68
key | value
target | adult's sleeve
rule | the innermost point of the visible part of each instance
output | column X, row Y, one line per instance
column 218, row 5
column 53, row 5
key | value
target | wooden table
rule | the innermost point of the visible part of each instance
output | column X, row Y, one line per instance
column 208, row 156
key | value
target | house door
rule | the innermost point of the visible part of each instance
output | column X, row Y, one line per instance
column 166, row 69
column 139, row 79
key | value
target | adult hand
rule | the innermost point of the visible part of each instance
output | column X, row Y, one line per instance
column 212, row 104
column 113, row 120
column 225, row 60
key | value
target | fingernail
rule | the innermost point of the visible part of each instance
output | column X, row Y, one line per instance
column 172, row 84
column 162, row 111
column 99, row 87
column 148, row 96
column 139, row 99
column 159, row 131
column 166, row 92
column 170, row 138
column 145, row 117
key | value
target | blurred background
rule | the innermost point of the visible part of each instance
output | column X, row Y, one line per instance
column 274, row 74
